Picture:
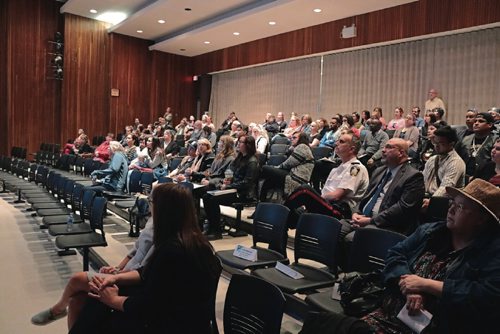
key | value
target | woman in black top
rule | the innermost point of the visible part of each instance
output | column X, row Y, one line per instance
column 174, row 292
column 245, row 170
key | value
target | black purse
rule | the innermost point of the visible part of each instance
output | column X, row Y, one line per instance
column 361, row 293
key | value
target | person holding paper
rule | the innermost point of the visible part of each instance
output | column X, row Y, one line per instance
column 245, row 170
column 450, row 269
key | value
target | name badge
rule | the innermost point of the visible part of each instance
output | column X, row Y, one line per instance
column 245, row 253
column 335, row 292
column 288, row 271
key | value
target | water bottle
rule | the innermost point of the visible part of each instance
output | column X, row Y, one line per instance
column 228, row 175
column 69, row 223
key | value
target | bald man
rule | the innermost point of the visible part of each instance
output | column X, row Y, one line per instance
column 394, row 195
column 434, row 101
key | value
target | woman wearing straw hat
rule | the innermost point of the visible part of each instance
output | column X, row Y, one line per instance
column 451, row 269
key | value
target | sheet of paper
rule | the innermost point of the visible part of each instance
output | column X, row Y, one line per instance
column 245, row 253
column 416, row 322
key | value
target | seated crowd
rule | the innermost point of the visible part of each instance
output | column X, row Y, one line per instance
column 375, row 174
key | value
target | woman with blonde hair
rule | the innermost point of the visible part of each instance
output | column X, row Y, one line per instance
column 225, row 156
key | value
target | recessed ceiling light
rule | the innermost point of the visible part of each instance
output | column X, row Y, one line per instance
column 140, row 31
column 182, row 49
column 236, row 33
column 161, row 21
column 187, row 9
column 206, row 42
column 271, row 23
column 112, row 17
column 317, row 10
column 93, row 11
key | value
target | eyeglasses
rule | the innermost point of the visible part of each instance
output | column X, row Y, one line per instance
column 295, row 137
column 458, row 206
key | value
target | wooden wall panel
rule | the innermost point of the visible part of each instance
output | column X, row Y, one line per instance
column 171, row 85
column 130, row 64
column 3, row 78
column 31, row 103
column 414, row 19
column 85, row 95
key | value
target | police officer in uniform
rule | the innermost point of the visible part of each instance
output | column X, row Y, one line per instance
column 343, row 189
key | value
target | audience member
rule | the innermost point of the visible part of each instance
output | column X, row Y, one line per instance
column 280, row 120
column 225, row 156
column 74, row 294
column 131, row 150
column 439, row 113
column 377, row 113
column 245, row 170
column 450, row 269
column 434, row 101
column 470, row 118
column 293, row 126
column 305, row 124
column 101, row 153
column 490, row 170
column 293, row 172
column 375, row 140
column 209, row 135
column 394, row 196
column 271, row 126
column 114, row 177
column 410, row 134
column 261, row 139
column 344, row 187
column 478, row 146
column 185, row 163
column 419, row 121
column 398, row 121
column 446, row 168
column 332, row 134
column 173, row 292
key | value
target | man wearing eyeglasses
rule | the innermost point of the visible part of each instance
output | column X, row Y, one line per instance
column 394, row 196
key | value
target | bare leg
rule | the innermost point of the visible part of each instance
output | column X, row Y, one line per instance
column 76, row 303
column 77, row 284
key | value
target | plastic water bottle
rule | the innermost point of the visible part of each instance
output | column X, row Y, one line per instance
column 69, row 223
column 228, row 175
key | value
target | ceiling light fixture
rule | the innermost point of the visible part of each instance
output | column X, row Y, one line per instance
column 207, row 42
column 317, row 10
column 161, row 21
column 112, row 17
column 271, row 23
column 187, row 9
column 93, row 11
column 140, row 31
column 182, row 49
column 236, row 33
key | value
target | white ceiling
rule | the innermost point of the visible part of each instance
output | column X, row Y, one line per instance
column 185, row 32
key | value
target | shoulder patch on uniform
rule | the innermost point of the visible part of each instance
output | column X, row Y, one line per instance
column 354, row 170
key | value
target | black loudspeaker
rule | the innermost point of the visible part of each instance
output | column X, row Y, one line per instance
column 202, row 91
column 56, row 57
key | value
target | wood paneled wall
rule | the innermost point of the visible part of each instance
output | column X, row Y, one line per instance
column 414, row 19
column 34, row 109
column 30, row 102
column 85, row 95
column 4, row 138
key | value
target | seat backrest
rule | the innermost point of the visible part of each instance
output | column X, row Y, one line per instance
column 269, row 226
column 279, row 149
column 32, row 172
column 188, row 185
column 53, row 183
column 183, row 151
column 316, row 239
column 175, row 163
column 134, row 181
column 280, row 140
column 165, row 179
column 88, row 167
column 437, row 209
column 68, row 192
column 321, row 152
column 41, row 175
column 61, row 187
column 275, row 160
column 253, row 305
column 86, row 203
column 147, row 182
column 369, row 248
column 262, row 159
column 99, row 207
column 76, row 198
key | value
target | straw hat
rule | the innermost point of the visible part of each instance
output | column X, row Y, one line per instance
column 483, row 193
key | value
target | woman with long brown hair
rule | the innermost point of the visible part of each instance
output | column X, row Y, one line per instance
column 174, row 292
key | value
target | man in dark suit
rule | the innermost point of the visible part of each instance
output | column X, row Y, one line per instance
column 394, row 195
